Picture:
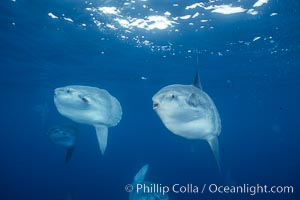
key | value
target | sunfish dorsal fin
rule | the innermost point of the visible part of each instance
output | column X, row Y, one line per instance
column 197, row 82
column 140, row 176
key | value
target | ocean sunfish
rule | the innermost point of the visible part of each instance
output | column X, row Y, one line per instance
column 139, row 194
column 89, row 105
column 187, row 111
column 66, row 136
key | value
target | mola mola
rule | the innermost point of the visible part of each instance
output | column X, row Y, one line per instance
column 136, row 194
column 187, row 111
column 66, row 136
column 89, row 105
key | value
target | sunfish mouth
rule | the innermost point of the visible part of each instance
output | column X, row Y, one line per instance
column 57, row 91
column 155, row 105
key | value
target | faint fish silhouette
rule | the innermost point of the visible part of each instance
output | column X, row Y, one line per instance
column 66, row 136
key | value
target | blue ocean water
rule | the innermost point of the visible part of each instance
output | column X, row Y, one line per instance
column 248, row 55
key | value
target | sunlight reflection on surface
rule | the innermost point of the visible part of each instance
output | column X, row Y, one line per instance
column 156, row 25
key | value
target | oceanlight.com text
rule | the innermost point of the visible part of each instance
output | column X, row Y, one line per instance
column 154, row 188
column 250, row 189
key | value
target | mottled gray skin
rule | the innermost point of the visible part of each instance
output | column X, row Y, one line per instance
column 89, row 105
column 187, row 111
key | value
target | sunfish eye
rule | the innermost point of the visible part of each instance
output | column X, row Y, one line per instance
column 173, row 96
column 84, row 99
column 68, row 90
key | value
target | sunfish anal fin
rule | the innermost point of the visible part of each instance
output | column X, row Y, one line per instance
column 140, row 176
column 101, row 132
column 214, row 145
column 69, row 154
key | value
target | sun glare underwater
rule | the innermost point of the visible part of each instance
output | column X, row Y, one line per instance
column 149, row 100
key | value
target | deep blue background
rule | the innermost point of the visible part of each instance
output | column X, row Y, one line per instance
column 256, row 92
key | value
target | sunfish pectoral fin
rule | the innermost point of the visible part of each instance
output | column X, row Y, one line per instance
column 140, row 176
column 214, row 145
column 194, row 100
column 101, row 132
column 69, row 154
